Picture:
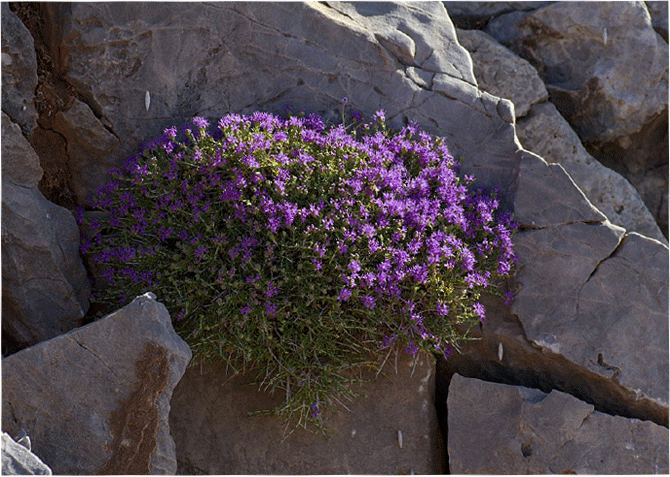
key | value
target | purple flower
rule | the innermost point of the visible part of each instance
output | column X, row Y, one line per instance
column 479, row 311
column 368, row 301
column 201, row 123
column 442, row 309
column 345, row 294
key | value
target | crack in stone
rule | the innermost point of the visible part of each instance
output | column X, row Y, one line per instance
column 90, row 351
column 595, row 270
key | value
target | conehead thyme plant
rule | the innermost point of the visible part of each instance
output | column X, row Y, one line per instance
column 301, row 250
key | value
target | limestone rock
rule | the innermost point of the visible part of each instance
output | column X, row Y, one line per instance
column 659, row 17
column 502, row 73
column 97, row 399
column 476, row 15
column 19, row 460
column 588, row 293
column 391, row 430
column 605, row 67
column 44, row 284
column 545, row 132
column 90, row 147
column 210, row 59
column 19, row 71
column 496, row 428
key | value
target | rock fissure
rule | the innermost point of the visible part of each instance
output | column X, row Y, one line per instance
column 96, row 356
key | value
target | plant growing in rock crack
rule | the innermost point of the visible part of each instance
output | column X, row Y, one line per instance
column 302, row 250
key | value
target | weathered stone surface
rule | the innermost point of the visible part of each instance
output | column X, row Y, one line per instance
column 97, row 399
column 44, row 284
column 659, row 17
column 545, row 132
column 605, row 67
column 570, row 267
column 19, row 460
column 477, row 14
column 215, row 435
column 209, row 59
column 19, row 71
column 546, row 195
column 90, row 147
column 501, row 72
column 500, row 429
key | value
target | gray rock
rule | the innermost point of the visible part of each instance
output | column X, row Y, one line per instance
column 19, row 71
column 19, row 460
column 90, row 147
column 571, row 266
column 545, row 132
column 45, row 289
column 605, row 67
column 495, row 428
column 476, row 14
column 97, row 399
column 305, row 55
column 659, row 17
column 391, row 429
column 537, row 203
column 501, row 72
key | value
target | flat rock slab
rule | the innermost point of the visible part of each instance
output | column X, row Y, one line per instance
column 501, row 429
column 215, row 435
column 96, row 400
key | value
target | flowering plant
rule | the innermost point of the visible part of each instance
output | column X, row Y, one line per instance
column 304, row 251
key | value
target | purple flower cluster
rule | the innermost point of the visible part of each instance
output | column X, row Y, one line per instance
column 272, row 230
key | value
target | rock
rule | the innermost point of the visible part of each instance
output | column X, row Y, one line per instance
column 45, row 289
column 659, row 17
column 19, row 460
column 392, row 429
column 591, row 292
column 19, row 71
column 97, row 399
column 471, row 15
column 501, row 72
column 605, row 67
column 496, row 428
column 546, row 195
column 378, row 55
column 545, row 132
column 90, row 147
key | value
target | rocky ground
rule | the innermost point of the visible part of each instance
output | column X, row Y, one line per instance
column 564, row 106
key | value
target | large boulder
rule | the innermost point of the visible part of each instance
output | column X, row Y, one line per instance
column 19, row 71
column 390, row 429
column 501, row 429
column 97, row 399
column 184, row 59
column 44, row 283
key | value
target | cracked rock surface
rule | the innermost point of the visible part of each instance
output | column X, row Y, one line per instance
column 531, row 432
column 96, row 399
